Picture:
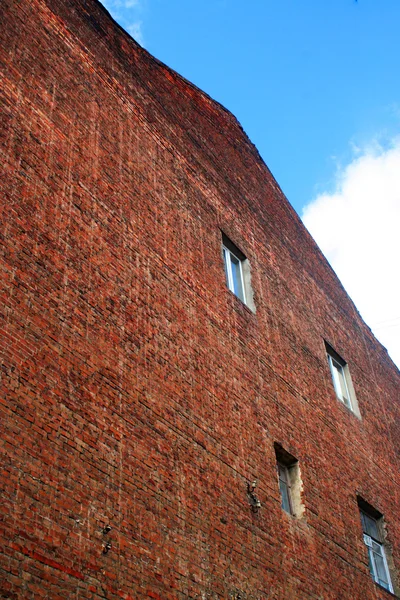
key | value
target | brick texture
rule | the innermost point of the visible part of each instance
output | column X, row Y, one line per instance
column 136, row 390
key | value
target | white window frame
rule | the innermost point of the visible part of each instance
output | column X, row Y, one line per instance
column 228, row 254
column 376, row 547
column 370, row 542
column 341, row 380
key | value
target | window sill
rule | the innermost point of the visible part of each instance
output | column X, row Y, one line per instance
column 390, row 594
column 241, row 304
column 352, row 412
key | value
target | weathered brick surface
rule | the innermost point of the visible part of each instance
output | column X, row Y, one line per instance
column 137, row 391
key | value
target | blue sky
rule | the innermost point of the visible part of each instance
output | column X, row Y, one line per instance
column 306, row 79
column 316, row 87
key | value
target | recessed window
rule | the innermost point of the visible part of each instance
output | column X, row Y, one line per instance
column 290, row 484
column 234, row 274
column 237, row 272
column 373, row 534
column 285, row 487
column 341, row 379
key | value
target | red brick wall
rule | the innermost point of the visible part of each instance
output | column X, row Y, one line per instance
column 137, row 391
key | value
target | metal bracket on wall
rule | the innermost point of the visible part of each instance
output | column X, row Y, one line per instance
column 254, row 501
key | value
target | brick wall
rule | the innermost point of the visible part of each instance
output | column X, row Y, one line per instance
column 137, row 391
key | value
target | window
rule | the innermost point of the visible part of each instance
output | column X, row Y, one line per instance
column 290, row 485
column 234, row 274
column 341, row 379
column 237, row 272
column 372, row 526
column 285, row 488
column 233, row 259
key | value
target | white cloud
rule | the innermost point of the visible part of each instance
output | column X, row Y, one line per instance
column 135, row 30
column 126, row 13
column 119, row 4
column 358, row 229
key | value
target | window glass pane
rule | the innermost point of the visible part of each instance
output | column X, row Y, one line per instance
column 227, row 267
column 377, row 548
column 284, row 487
column 285, row 496
column 370, row 526
column 381, row 573
column 341, row 378
column 282, row 473
column 363, row 522
column 336, row 379
column 237, row 277
column 371, row 563
column 339, row 381
column 233, row 272
column 343, row 384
